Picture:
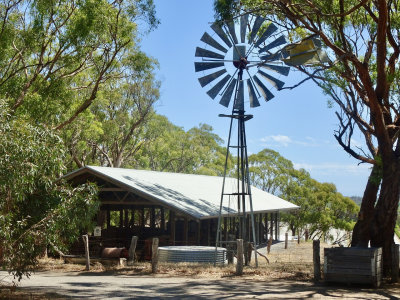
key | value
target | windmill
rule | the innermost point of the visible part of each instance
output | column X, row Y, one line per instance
column 237, row 64
column 229, row 63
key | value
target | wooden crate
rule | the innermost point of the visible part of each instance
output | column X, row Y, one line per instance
column 353, row 265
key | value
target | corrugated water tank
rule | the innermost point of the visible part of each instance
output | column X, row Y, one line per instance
column 199, row 254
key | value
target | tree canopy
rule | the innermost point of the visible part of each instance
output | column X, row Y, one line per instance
column 322, row 208
column 34, row 210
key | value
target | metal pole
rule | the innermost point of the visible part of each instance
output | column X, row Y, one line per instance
column 222, row 193
column 250, row 198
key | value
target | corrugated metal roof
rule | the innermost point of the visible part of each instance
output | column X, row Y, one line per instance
column 195, row 195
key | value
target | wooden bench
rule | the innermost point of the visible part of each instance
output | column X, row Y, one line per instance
column 353, row 265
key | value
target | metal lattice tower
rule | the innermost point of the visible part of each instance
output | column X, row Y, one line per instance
column 236, row 64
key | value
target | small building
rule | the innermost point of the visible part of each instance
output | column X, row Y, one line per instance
column 179, row 209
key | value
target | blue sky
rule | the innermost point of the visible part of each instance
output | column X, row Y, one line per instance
column 297, row 123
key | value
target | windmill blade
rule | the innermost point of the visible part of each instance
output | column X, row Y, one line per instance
column 201, row 66
column 252, row 94
column 216, row 88
column 279, row 41
column 239, row 102
column 243, row 25
column 206, row 38
column 274, row 81
column 200, row 52
column 220, row 32
column 231, row 28
column 257, row 24
column 226, row 97
column 264, row 90
column 267, row 33
column 210, row 77
column 279, row 69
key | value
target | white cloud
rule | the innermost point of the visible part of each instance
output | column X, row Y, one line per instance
column 328, row 168
column 285, row 141
column 282, row 140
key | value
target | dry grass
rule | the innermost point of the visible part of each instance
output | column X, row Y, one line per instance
column 292, row 263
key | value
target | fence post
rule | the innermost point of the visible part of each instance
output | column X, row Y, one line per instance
column 154, row 256
column 132, row 250
column 395, row 263
column 239, row 263
column 85, row 238
column 286, row 240
column 316, row 260
column 269, row 244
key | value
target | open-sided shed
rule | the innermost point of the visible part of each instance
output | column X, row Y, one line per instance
column 180, row 209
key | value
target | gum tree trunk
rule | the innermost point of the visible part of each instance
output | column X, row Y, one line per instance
column 385, row 214
column 376, row 222
column 361, row 232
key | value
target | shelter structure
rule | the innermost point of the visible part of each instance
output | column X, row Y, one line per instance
column 179, row 209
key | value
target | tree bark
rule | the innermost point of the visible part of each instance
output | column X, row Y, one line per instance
column 361, row 232
column 385, row 213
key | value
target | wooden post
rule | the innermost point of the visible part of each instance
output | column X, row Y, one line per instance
column 172, row 226
column 249, row 250
column 395, row 263
column 316, row 260
column 142, row 221
column 286, row 240
column 239, row 263
column 186, row 231
column 154, row 256
column 85, row 238
column 271, row 225
column 306, row 235
column 162, row 219
column 208, row 231
column 108, row 217
column 132, row 250
column 269, row 244
column 121, row 218
column 153, row 217
column 126, row 218
column 198, row 230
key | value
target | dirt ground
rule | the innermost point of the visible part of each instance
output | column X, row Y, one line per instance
column 287, row 276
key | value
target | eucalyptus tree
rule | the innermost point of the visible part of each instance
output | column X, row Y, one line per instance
column 362, row 79
column 109, row 133
column 171, row 148
column 55, row 56
column 322, row 208
column 35, row 212
column 269, row 171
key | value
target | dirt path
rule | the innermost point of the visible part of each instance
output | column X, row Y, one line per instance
column 97, row 286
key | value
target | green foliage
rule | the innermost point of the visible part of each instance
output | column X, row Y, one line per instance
column 322, row 208
column 170, row 148
column 109, row 133
column 36, row 210
column 56, row 55
column 269, row 170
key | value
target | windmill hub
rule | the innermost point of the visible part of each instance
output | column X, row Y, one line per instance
column 241, row 63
